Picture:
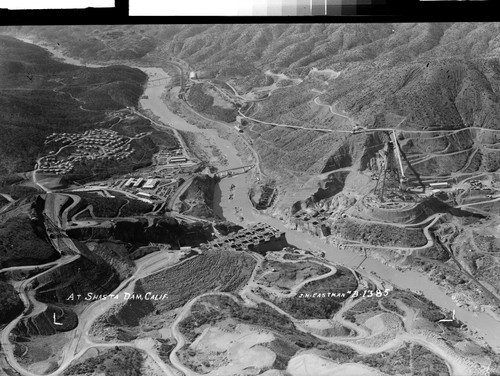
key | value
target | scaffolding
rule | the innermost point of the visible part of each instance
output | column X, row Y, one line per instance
column 391, row 179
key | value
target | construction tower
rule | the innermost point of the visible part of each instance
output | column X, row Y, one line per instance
column 391, row 179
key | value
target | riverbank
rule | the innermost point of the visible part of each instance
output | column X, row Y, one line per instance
column 240, row 210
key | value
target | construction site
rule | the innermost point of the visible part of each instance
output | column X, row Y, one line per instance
column 260, row 238
column 397, row 197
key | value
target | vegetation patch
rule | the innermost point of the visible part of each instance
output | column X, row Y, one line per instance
column 17, row 192
column 124, row 361
column 43, row 324
column 426, row 362
column 213, row 270
column 211, row 309
column 427, row 308
column 82, row 276
column 10, row 304
column 21, row 243
column 285, row 275
column 378, row 234
column 371, row 306
column 312, row 300
column 111, row 207
column 223, row 271
column 203, row 102
column 44, row 104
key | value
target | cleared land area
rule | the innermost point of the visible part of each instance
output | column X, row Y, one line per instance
column 223, row 311
column 242, row 345
column 223, row 316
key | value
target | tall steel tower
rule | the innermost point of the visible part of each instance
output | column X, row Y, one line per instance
column 391, row 178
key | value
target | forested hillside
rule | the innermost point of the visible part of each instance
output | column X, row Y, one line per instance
column 39, row 96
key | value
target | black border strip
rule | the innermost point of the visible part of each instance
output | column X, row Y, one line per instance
column 388, row 11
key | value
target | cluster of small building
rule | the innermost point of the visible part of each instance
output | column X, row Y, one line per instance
column 317, row 223
column 51, row 164
column 260, row 238
column 94, row 144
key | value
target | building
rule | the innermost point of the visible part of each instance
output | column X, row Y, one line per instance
column 439, row 185
column 129, row 182
column 192, row 75
column 138, row 182
column 143, row 194
column 150, row 184
column 178, row 160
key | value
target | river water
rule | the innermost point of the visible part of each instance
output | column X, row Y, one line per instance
column 240, row 210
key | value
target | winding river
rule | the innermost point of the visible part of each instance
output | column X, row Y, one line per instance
column 240, row 210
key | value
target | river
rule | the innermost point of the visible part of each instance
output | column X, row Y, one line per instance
column 487, row 327
column 240, row 208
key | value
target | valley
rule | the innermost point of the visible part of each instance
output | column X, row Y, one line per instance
column 382, row 267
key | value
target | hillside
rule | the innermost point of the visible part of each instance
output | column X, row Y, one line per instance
column 10, row 303
column 271, row 46
column 419, row 77
column 413, row 76
column 22, row 243
column 39, row 96
column 381, row 140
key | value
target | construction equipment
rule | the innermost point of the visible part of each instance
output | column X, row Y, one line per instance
column 403, row 181
column 391, row 173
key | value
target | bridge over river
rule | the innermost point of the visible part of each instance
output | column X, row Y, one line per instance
column 158, row 81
